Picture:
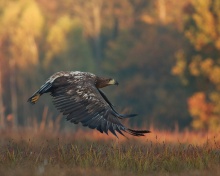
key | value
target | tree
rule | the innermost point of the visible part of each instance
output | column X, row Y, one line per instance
column 2, row 113
column 22, row 21
column 201, row 65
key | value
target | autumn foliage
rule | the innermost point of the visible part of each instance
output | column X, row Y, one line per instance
column 164, row 53
column 200, row 67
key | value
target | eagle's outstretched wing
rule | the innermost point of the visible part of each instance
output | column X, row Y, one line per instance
column 83, row 102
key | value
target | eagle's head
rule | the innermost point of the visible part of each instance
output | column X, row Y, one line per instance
column 103, row 82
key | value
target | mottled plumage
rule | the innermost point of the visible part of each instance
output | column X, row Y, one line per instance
column 78, row 96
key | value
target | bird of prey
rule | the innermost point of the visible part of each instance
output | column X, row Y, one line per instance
column 77, row 95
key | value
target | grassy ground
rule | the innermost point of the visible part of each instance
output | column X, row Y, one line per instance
column 160, row 153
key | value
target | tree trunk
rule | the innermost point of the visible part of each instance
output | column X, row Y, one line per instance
column 2, row 108
column 162, row 11
column 14, row 103
column 97, row 32
column 2, row 113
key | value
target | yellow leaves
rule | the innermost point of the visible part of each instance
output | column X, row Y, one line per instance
column 214, row 123
column 147, row 19
column 24, row 15
column 201, row 67
column 10, row 15
column 194, row 66
column 32, row 19
column 198, row 124
column 57, row 37
column 215, row 98
column 205, row 26
column 180, row 66
column 217, row 43
column 21, row 23
column 205, row 18
column 57, row 33
column 215, row 75
column 207, row 65
column 202, row 30
column 206, row 68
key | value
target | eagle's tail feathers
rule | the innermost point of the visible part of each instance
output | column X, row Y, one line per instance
column 43, row 89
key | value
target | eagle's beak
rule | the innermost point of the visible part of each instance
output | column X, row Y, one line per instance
column 113, row 82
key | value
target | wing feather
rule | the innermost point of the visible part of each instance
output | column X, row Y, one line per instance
column 118, row 130
column 112, row 129
column 83, row 102
column 95, row 122
column 99, row 128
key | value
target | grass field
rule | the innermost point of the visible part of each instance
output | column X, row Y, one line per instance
column 26, row 152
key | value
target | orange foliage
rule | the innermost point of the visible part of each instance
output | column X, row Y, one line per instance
column 214, row 76
column 206, row 65
column 200, row 109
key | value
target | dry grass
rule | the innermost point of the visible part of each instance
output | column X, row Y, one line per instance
column 91, row 153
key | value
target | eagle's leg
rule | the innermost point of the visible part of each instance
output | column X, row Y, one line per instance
column 43, row 89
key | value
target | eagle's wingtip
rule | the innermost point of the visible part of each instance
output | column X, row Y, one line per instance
column 33, row 99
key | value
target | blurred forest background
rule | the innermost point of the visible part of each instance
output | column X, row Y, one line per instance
column 164, row 53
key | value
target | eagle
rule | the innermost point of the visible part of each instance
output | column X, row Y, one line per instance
column 78, row 96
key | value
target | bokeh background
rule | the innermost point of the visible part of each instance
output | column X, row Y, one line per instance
column 164, row 53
